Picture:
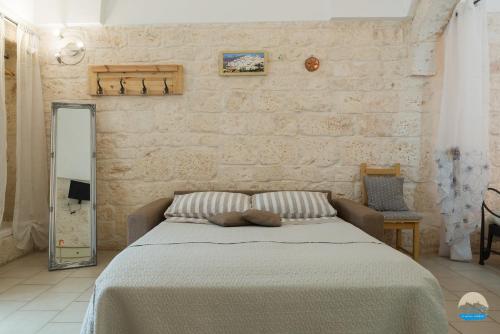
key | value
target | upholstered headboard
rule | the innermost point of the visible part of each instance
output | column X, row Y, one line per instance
column 253, row 192
column 145, row 218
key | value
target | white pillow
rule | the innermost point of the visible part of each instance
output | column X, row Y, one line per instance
column 294, row 204
column 206, row 204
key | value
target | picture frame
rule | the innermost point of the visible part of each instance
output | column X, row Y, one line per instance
column 243, row 63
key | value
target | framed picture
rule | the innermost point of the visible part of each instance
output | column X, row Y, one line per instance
column 243, row 63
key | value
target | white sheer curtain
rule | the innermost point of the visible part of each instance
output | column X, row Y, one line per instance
column 31, row 214
column 3, row 122
column 462, row 146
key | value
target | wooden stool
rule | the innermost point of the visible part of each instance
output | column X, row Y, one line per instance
column 397, row 221
column 398, row 226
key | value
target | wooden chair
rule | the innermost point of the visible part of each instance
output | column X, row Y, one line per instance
column 407, row 219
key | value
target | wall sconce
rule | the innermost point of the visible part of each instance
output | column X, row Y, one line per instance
column 71, row 50
column 312, row 64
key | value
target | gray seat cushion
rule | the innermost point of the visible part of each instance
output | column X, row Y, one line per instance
column 385, row 193
column 403, row 215
column 493, row 220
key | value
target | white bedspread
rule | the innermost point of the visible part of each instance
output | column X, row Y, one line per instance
column 327, row 277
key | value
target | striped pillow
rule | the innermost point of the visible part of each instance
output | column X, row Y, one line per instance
column 294, row 204
column 206, row 204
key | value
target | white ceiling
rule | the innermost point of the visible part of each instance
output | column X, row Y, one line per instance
column 23, row 10
column 123, row 12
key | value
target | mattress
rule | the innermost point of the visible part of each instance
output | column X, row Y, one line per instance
column 311, row 276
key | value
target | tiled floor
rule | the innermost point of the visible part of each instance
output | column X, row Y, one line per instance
column 458, row 278
column 33, row 300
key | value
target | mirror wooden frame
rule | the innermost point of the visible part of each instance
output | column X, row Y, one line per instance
column 92, row 261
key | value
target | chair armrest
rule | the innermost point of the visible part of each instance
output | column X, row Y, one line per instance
column 368, row 220
column 145, row 218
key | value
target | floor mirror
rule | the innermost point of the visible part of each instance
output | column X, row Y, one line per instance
column 72, row 235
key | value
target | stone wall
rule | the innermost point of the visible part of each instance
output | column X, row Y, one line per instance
column 290, row 129
column 494, row 34
column 494, row 37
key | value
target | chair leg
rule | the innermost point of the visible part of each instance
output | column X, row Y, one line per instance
column 416, row 242
column 481, row 241
column 399, row 240
column 487, row 251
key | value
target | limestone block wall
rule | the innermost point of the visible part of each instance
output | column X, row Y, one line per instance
column 494, row 35
column 290, row 129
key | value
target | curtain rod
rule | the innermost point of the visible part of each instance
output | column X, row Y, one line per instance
column 26, row 27
column 6, row 56
column 10, row 20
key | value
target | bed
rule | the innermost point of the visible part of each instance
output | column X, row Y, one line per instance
column 321, row 275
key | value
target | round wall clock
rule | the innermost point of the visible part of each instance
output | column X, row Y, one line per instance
column 311, row 64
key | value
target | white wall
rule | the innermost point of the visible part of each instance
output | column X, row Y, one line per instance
column 370, row 8
column 23, row 10
column 70, row 12
column 154, row 11
column 493, row 5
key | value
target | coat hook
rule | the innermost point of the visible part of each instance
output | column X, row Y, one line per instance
column 165, row 90
column 144, row 88
column 99, row 87
column 122, row 89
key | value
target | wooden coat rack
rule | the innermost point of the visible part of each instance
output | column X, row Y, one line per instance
column 136, row 80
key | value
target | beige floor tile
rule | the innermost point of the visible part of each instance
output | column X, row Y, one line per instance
column 21, row 272
column 61, row 328
column 33, row 259
column 7, row 308
column 23, row 293
column 73, row 313
column 50, row 301
column 106, row 256
column 449, row 296
column 452, row 330
column 451, row 311
column 465, row 266
column 477, row 327
column 459, row 283
column 495, row 315
column 89, row 272
column 73, row 284
column 484, row 277
column 47, row 277
column 85, row 296
column 495, row 288
column 7, row 283
column 25, row 322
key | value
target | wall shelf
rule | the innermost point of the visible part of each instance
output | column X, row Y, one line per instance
column 104, row 80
